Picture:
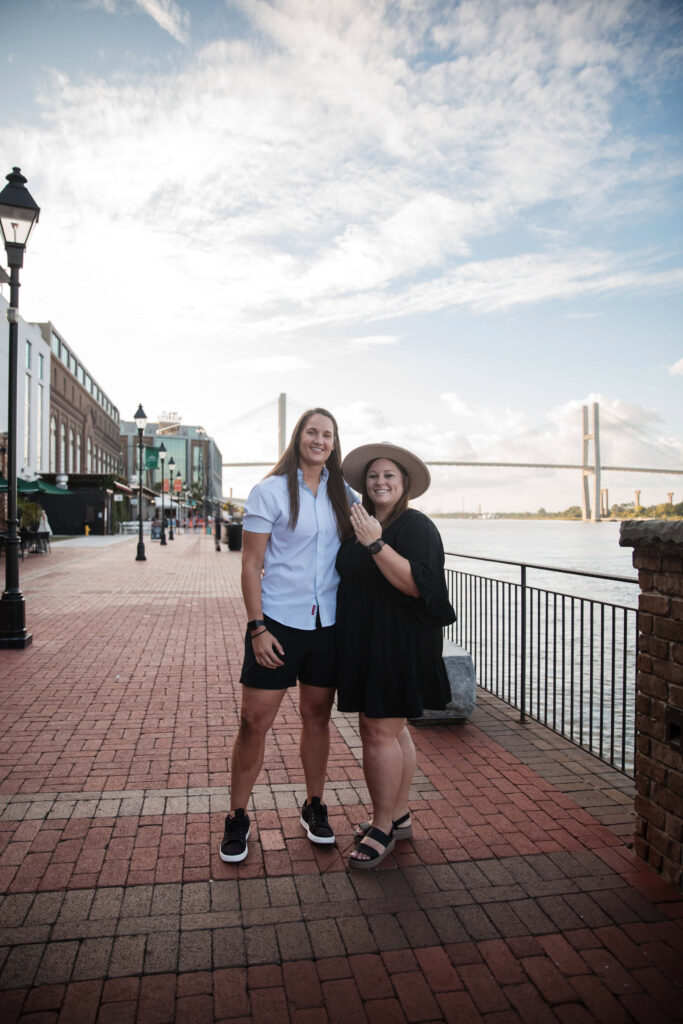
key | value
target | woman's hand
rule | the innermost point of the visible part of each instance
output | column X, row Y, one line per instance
column 365, row 526
column 266, row 649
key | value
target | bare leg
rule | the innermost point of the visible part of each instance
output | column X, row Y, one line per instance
column 408, row 752
column 257, row 714
column 315, row 705
column 383, row 770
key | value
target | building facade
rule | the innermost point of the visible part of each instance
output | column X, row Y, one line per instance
column 84, row 425
column 197, row 457
column 33, row 395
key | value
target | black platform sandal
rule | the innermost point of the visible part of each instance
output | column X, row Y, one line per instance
column 400, row 830
column 375, row 858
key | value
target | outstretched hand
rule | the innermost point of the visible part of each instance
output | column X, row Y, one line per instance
column 365, row 526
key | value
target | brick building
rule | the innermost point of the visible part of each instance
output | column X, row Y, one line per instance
column 84, row 424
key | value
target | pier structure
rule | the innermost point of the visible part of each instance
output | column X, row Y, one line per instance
column 518, row 898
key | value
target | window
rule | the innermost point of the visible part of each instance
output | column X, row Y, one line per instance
column 71, row 450
column 28, row 355
column 88, row 383
column 27, row 421
column 55, row 344
column 41, row 366
column 81, row 374
column 88, row 456
column 53, row 445
column 62, row 449
column 39, row 427
column 79, row 468
column 64, row 354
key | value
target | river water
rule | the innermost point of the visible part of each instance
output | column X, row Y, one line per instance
column 593, row 547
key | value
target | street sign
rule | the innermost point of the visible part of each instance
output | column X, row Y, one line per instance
column 151, row 458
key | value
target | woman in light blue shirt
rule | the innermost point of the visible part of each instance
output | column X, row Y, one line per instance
column 295, row 520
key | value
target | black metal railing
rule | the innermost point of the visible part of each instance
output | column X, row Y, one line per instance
column 566, row 661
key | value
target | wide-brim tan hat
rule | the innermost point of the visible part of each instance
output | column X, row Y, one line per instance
column 353, row 466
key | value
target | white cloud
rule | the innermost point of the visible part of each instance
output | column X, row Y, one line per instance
column 677, row 368
column 373, row 341
column 269, row 364
column 169, row 16
column 327, row 173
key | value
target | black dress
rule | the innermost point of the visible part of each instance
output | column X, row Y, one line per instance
column 390, row 645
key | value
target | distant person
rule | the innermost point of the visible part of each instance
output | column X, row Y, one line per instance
column 294, row 522
column 43, row 524
column 391, row 607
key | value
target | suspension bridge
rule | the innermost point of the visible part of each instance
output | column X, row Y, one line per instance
column 594, row 498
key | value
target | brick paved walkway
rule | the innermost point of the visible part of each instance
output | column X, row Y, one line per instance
column 518, row 900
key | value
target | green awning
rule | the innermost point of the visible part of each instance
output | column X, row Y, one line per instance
column 45, row 487
column 23, row 486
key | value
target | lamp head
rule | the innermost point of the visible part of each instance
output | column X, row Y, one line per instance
column 162, row 452
column 140, row 418
column 18, row 213
column 171, row 465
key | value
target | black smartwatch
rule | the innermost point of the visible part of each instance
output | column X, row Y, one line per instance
column 254, row 624
column 376, row 546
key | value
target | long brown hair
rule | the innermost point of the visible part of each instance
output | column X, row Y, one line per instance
column 288, row 465
column 402, row 503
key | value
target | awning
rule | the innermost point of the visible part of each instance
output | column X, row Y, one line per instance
column 33, row 487
column 123, row 487
column 45, row 487
column 23, row 486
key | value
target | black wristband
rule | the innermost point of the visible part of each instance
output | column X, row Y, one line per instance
column 260, row 633
column 255, row 623
column 376, row 546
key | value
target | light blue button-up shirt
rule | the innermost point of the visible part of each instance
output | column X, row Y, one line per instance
column 300, row 578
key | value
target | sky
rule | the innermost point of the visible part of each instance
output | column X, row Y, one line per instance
column 452, row 224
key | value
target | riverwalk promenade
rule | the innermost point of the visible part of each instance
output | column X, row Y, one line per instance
column 518, row 899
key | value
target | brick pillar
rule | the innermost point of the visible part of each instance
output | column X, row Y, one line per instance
column 658, row 557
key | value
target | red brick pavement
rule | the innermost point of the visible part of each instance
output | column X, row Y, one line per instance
column 511, row 903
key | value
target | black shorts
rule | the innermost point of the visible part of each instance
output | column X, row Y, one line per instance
column 310, row 656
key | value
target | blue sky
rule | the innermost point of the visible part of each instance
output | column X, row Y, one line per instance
column 451, row 223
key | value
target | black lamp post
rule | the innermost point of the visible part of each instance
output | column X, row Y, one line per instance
column 179, row 492
column 140, row 423
column 162, row 456
column 18, row 213
column 171, row 467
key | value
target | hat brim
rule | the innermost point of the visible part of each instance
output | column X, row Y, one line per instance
column 353, row 466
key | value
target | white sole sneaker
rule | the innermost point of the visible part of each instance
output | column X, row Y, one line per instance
column 321, row 840
column 233, row 858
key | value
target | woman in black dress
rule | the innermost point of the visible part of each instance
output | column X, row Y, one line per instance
column 392, row 604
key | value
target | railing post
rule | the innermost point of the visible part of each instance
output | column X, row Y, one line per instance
column 522, row 700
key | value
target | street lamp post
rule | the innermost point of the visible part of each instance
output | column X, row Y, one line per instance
column 162, row 456
column 171, row 467
column 18, row 213
column 178, row 491
column 140, row 423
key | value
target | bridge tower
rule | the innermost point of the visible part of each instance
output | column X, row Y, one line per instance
column 592, row 467
column 281, row 423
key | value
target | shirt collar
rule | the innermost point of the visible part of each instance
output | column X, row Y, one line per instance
column 323, row 475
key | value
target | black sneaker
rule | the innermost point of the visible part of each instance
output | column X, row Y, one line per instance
column 234, row 845
column 314, row 820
